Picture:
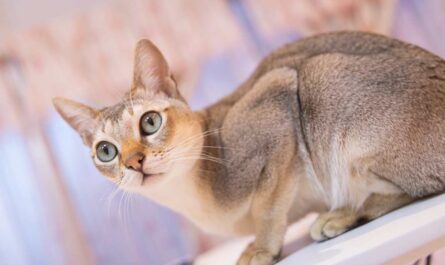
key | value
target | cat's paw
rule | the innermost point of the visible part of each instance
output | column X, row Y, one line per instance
column 255, row 256
column 332, row 224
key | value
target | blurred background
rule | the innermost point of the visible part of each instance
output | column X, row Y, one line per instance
column 55, row 208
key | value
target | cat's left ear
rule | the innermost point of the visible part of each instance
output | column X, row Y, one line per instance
column 79, row 116
column 151, row 71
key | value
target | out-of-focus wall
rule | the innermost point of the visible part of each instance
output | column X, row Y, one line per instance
column 55, row 208
column 24, row 14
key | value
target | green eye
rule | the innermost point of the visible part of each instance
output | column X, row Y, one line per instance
column 106, row 151
column 150, row 122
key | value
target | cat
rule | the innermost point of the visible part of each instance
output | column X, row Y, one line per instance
column 347, row 124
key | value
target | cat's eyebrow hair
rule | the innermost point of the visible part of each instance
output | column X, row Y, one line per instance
column 109, row 122
column 114, row 112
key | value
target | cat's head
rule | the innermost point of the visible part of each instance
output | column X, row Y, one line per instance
column 148, row 138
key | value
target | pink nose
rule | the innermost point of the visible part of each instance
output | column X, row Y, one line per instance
column 135, row 160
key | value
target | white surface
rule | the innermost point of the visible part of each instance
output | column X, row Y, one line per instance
column 381, row 240
column 228, row 253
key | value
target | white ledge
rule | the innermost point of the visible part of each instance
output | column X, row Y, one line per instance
column 399, row 237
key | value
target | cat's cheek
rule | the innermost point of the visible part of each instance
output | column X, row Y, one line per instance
column 157, row 166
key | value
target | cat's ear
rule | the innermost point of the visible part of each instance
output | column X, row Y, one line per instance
column 79, row 116
column 151, row 71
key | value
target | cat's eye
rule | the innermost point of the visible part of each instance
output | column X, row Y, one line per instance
column 106, row 151
column 150, row 122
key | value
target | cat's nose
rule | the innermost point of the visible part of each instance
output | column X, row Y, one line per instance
column 135, row 160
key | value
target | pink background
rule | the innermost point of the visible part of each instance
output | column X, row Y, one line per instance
column 54, row 206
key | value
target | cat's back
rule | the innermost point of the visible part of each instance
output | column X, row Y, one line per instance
column 298, row 54
column 399, row 82
column 295, row 54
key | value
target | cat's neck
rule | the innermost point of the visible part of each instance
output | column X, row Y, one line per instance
column 211, row 166
column 192, row 193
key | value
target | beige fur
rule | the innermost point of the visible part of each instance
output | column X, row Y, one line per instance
column 348, row 124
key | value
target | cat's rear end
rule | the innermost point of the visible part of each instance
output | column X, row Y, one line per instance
column 373, row 118
column 384, row 113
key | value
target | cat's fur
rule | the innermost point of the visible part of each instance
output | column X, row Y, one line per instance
column 349, row 124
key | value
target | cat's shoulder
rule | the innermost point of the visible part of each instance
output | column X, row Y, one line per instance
column 270, row 105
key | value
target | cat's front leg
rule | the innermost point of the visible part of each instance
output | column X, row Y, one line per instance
column 270, row 208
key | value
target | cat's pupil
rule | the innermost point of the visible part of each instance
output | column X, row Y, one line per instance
column 106, row 151
column 150, row 122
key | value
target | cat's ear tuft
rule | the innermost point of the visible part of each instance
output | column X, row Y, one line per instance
column 79, row 116
column 151, row 71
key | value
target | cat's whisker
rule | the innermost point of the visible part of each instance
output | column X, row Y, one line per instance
column 194, row 138
column 173, row 149
column 126, row 212
column 130, row 203
column 122, row 212
column 219, row 147
column 198, row 158
column 193, row 152
column 190, row 140
column 180, row 150
column 112, row 195
column 119, row 208
column 197, row 149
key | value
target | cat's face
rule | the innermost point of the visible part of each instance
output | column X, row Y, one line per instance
column 147, row 139
column 141, row 143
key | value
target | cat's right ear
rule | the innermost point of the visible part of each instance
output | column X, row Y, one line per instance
column 151, row 71
column 79, row 116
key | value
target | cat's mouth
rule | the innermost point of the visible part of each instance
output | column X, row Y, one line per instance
column 148, row 178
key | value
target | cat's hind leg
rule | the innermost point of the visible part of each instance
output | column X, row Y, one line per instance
column 336, row 222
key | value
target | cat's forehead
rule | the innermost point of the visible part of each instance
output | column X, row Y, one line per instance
column 127, row 108
column 123, row 118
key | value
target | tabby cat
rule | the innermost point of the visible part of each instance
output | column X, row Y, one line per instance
column 347, row 124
